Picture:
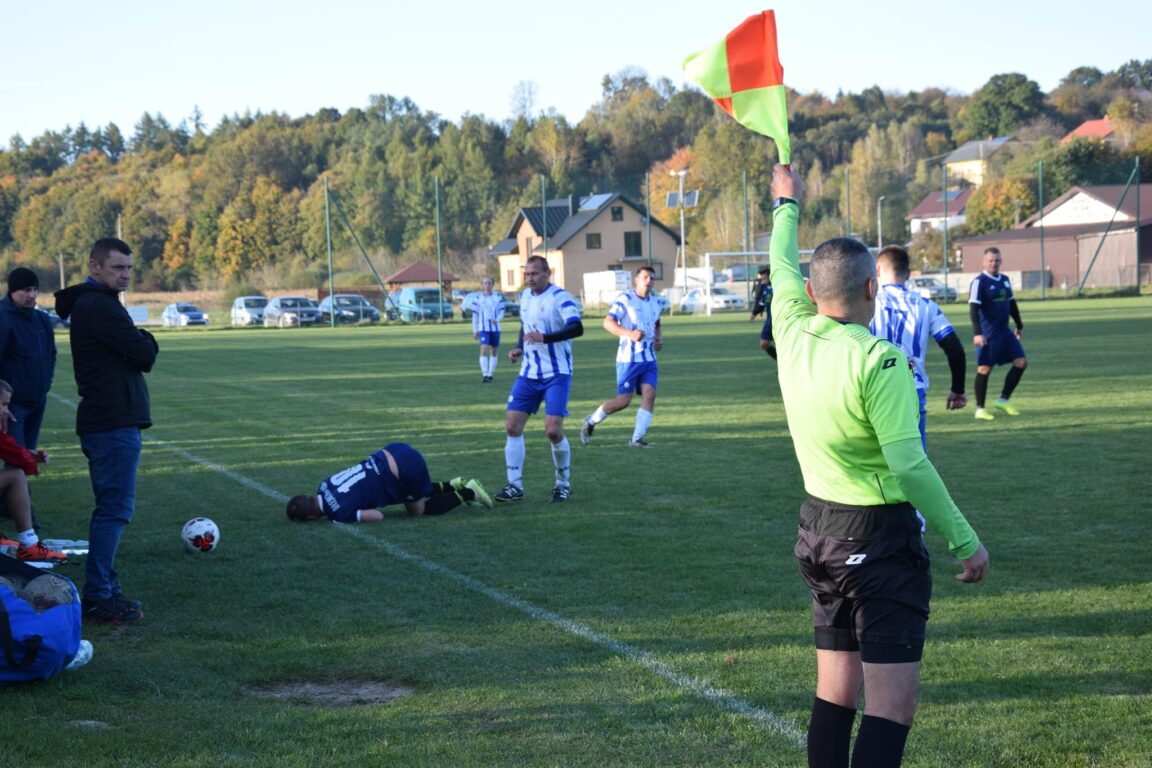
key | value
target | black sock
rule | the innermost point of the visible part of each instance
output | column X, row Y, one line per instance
column 879, row 743
column 981, row 387
column 443, row 487
column 829, row 734
column 771, row 351
column 1010, row 382
column 439, row 503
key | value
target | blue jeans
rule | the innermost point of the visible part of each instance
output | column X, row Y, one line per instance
column 113, row 457
column 25, row 430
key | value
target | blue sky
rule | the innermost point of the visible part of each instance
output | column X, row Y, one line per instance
column 61, row 63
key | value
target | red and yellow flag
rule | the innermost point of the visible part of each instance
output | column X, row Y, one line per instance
column 744, row 75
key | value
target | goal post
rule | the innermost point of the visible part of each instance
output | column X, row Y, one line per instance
column 735, row 271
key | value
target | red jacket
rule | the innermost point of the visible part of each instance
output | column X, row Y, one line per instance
column 12, row 453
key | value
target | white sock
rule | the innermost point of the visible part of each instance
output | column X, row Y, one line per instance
column 561, row 457
column 643, row 419
column 483, row 365
column 514, row 458
column 492, row 365
column 27, row 538
column 598, row 416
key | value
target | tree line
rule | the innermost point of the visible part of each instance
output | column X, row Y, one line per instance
column 244, row 202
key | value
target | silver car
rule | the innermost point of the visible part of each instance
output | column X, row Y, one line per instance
column 248, row 310
column 290, row 311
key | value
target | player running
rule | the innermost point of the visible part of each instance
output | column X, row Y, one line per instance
column 635, row 318
column 991, row 302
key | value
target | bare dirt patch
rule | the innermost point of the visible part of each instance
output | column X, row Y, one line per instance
column 332, row 693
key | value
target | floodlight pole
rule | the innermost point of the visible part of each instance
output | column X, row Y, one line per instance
column 683, row 252
column 328, row 238
column 879, row 223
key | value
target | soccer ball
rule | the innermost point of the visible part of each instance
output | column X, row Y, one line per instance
column 48, row 590
column 200, row 535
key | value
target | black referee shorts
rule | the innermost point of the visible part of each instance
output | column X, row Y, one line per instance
column 870, row 579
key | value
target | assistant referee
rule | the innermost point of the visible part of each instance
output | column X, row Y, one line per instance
column 853, row 415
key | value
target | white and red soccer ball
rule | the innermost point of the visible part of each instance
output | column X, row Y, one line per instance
column 200, row 535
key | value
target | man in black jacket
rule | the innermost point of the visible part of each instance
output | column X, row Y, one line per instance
column 110, row 356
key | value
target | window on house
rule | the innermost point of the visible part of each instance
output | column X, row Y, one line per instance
column 510, row 278
column 592, row 241
column 633, row 245
column 617, row 213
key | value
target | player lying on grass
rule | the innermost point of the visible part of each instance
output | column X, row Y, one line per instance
column 14, row 488
column 395, row 474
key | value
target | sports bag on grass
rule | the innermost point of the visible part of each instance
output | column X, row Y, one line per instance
column 39, row 622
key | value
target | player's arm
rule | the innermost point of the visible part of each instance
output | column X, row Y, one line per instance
column 573, row 329
column 658, row 340
column 518, row 350
column 957, row 364
column 613, row 327
column 1014, row 310
column 977, row 331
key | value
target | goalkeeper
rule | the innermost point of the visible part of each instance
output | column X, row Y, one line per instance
column 852, row 412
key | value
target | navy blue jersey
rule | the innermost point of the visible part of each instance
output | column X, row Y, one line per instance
column 371, row 484
column 994, row 296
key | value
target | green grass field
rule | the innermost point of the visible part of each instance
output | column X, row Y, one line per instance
column 657, row 619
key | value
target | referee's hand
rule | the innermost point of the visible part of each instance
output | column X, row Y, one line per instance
column 975, row 567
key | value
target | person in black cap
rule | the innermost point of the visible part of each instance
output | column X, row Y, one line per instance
column 27, row 355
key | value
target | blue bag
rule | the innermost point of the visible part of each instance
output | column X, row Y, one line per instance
column 35, row 645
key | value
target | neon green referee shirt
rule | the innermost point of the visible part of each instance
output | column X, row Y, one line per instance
column 851, row 403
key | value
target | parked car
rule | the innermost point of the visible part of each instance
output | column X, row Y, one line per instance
column 931, row 288
column 512, row 305
column 248, row 310
column 721, row 299
column 183, row 314
column 349, row 308
column 57, row 321
column 392, row 306
column 287, row 311
column 418, row 304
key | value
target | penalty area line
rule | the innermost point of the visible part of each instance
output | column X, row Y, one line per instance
column 702, row 688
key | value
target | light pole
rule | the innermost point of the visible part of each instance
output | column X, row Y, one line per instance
column 683, row 253
column 879, row 223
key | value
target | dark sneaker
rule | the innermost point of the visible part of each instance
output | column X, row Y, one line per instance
column 560, row 494
column 641, row 443
column 114, row 610
column 509, row 493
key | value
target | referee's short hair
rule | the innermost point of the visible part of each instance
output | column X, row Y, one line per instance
column 839, row 269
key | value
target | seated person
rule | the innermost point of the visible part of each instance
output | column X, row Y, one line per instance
column 14, row 488
column 396, row 474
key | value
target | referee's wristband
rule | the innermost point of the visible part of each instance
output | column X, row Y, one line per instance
column 783, row 201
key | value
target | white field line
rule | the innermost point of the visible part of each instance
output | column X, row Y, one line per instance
column 701, row 688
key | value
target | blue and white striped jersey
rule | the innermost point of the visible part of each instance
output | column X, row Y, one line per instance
column 547, row 312
column 487, row 312
column 636, row 314
column 906, row 319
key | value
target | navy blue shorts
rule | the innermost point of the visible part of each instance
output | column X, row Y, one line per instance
column 489, row 338
column 766, row 331
column 870, row 579
column 1000, row 349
